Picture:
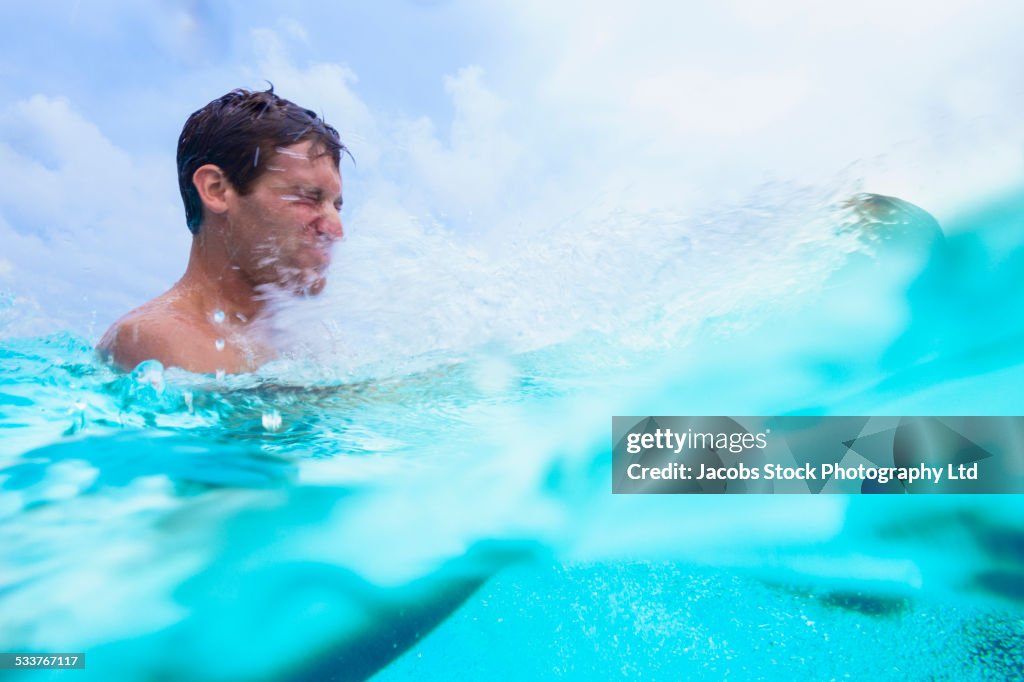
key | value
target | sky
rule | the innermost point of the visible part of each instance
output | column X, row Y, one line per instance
column 487, row 123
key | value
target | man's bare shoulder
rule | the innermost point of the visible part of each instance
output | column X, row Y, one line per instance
column 154, row 331
column 171, row 329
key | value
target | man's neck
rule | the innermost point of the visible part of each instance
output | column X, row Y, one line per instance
column 216, row 284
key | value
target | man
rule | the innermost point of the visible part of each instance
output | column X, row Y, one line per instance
column 260, row 180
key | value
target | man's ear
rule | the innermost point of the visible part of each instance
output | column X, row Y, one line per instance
column 213, row 187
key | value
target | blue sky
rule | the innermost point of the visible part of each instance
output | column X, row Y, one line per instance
column 488, row 121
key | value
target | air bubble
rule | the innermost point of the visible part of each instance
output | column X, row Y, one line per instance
column 149, row 374
column 272, row 420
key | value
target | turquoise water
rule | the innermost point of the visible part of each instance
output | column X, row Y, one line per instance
column 443, row 510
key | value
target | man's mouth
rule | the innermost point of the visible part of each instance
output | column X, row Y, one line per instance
column 321, row 254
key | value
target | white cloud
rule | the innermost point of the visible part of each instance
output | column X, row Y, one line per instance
column 466, row 177
column 84, row 225
column 295, row 30
column 721, row 97
column 327, row 88
column 900, row 17
column 694, row 102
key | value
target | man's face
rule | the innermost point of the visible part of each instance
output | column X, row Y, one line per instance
column 282, row 231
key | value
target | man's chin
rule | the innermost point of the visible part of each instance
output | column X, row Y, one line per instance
column 315, row 288
column 310, row 283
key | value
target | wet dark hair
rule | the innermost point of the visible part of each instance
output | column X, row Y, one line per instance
column 239, row 133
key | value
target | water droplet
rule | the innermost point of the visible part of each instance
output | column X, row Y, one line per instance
column 272, row 420
column 77, row 413
column 241, row 317
column 220, row 375
column 218, row 316
column 149, row 376
column 219, row 344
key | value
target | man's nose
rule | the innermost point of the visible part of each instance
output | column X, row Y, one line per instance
column 330, row 225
